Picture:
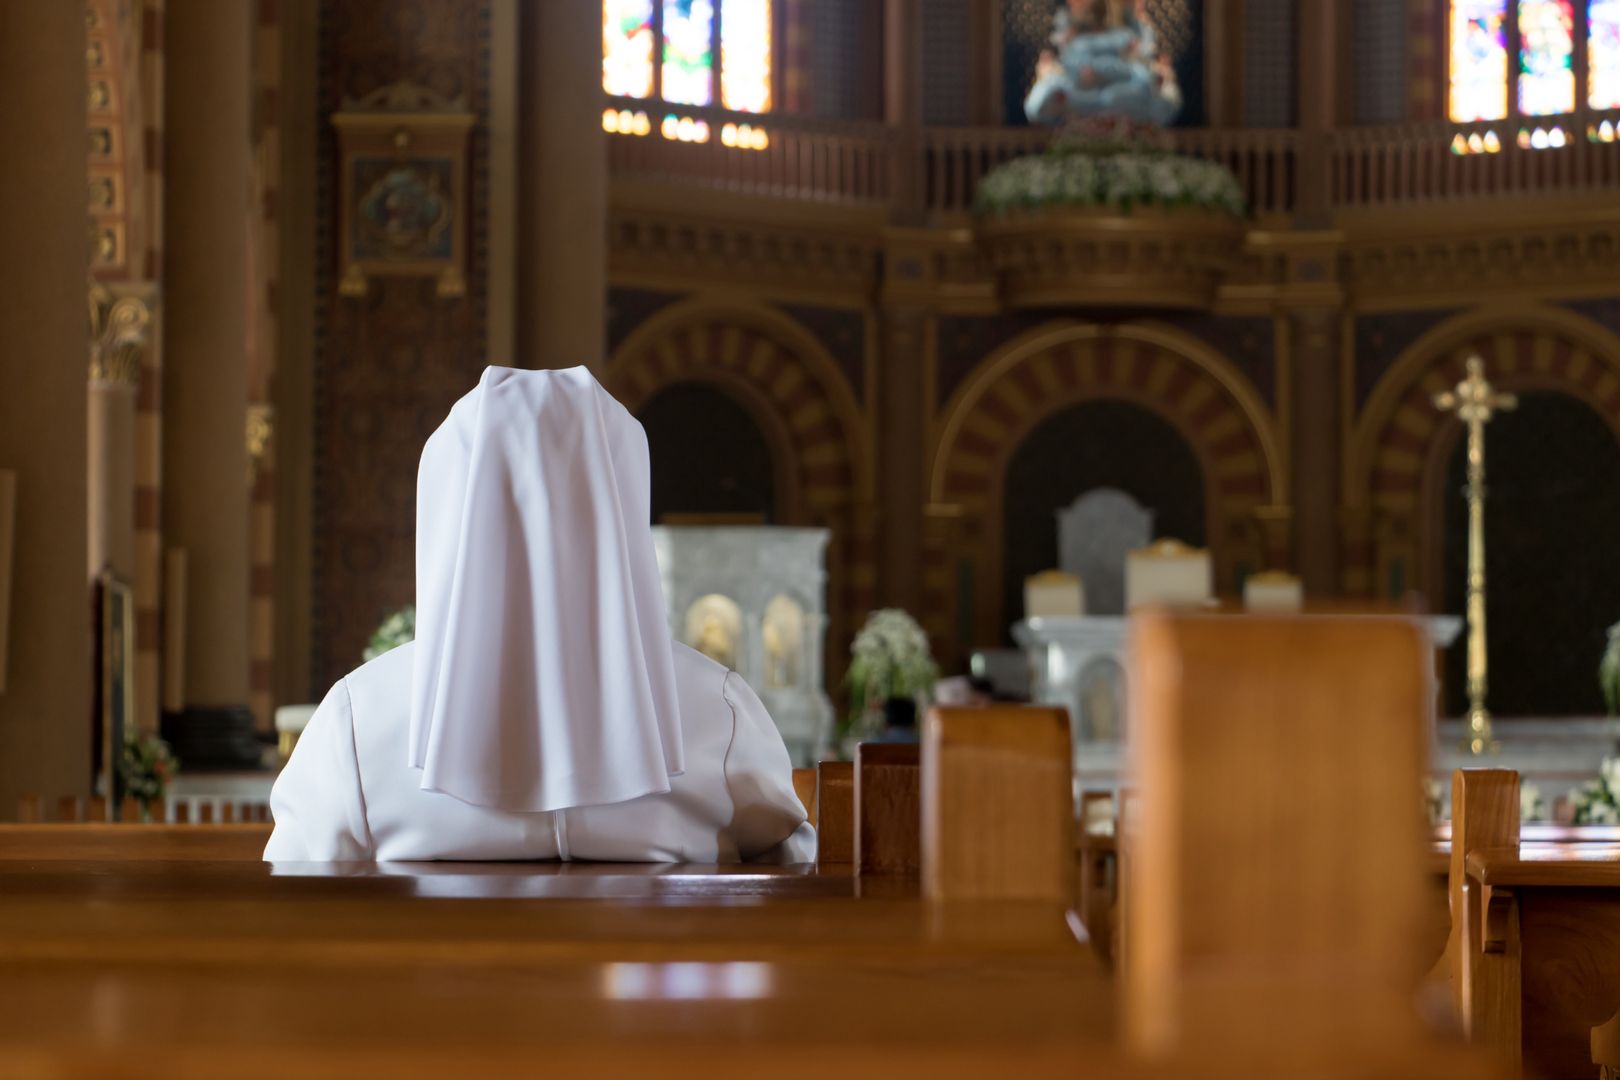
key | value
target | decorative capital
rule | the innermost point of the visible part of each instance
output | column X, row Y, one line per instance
column 119, row 329
column 261, row 429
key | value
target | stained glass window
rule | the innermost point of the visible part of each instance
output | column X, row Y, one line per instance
column 1603, row 53
column 1546, row 57
column 688, row 63
column 627, row 47
column 745, row 55
column 690, row 52
column 1479, row 60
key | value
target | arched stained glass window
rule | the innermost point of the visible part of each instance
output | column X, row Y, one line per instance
column 1478, row 60
column 1603, row 54
column 688, row 60
column 745, row 56
column 1524, row 58
column 1546, row 57
column 690, row 52
column 627, row 47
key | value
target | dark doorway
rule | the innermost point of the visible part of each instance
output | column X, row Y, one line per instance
column 709, row 458
column 1552, row 528
column 1095, row 444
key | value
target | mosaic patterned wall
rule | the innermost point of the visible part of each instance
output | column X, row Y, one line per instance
column 390, row 364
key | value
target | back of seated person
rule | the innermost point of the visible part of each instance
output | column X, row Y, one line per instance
column 543, row 711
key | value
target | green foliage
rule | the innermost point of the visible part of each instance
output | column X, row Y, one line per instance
column 147, row 768
column 395, row 631
column 1609, row 671
column 890, row 659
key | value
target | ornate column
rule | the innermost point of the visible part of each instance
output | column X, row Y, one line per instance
column 561, row 294
column 44, row 262
column 902, row 103
column 207, row 181
column 906, row 348
column 1315, row 429
column 119, row 322
column 1319, row 62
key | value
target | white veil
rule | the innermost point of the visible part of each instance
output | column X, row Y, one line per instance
column 544, row 677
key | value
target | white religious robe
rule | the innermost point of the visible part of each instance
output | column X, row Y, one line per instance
column 349, row 792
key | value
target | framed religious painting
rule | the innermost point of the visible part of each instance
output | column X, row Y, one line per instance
column 115, row 682
column 403, row 201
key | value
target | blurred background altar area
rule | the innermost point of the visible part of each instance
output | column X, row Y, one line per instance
column 943, row 308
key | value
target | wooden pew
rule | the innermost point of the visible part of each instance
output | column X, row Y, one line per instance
column 997, row 804
column 835, row 813
column 888, row 814
column 804, row 786
column 1535, row 949
column 119, row 842
column 395, row 971
column 1279, row 916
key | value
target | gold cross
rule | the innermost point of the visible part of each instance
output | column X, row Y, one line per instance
column 1474, row 401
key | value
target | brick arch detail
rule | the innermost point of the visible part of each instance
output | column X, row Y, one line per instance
column 785, row 378
column 1036, row 376
column 1401, row 431
column 1176, row 377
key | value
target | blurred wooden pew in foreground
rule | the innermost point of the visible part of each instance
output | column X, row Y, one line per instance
column 1535, row 946
column 1280, row 918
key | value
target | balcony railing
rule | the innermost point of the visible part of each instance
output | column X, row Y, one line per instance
column 1424, row 163
column 868, row 163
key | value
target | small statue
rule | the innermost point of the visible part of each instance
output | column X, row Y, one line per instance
column 1103, row 60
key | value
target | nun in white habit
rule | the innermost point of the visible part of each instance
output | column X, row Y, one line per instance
column 543, row 711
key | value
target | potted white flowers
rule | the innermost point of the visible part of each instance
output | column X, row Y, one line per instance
column 891, row 669
column 1597, row 802
column 395, row 631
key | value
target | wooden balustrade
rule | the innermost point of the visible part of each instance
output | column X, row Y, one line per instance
column 1421, row 163
column 798, row 157
column 858, row 162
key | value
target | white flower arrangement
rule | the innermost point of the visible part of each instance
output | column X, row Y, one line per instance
column 1437, row 802
column 1597, row 802
column 889, row 659
column 1115, row 176
column 395, row 631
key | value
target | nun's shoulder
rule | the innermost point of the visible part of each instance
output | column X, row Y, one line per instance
column 694, row 671
column 387, row 677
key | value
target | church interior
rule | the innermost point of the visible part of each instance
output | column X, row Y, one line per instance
column 1153, row 460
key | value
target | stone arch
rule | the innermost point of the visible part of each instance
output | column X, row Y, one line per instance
column 804, row 405
column 1037, row 375
column 1400, row 433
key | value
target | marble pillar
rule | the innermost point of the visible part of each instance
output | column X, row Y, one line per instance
column 561, row 294
column 205, row 386
column 44, row 206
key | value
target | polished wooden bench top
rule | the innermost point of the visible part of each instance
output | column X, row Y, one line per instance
column 529, row 958
column 1547, row 865
column 501, row 914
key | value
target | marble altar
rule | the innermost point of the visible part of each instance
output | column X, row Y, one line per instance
column 754, row 599
column 1096, row 533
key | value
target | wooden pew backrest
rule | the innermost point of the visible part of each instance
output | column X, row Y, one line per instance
column 804, row 786
column 101, row 840
column 1276, row 851
column 1484, row 814
column 997, row 804
column 888, row 814
column 835, row 813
